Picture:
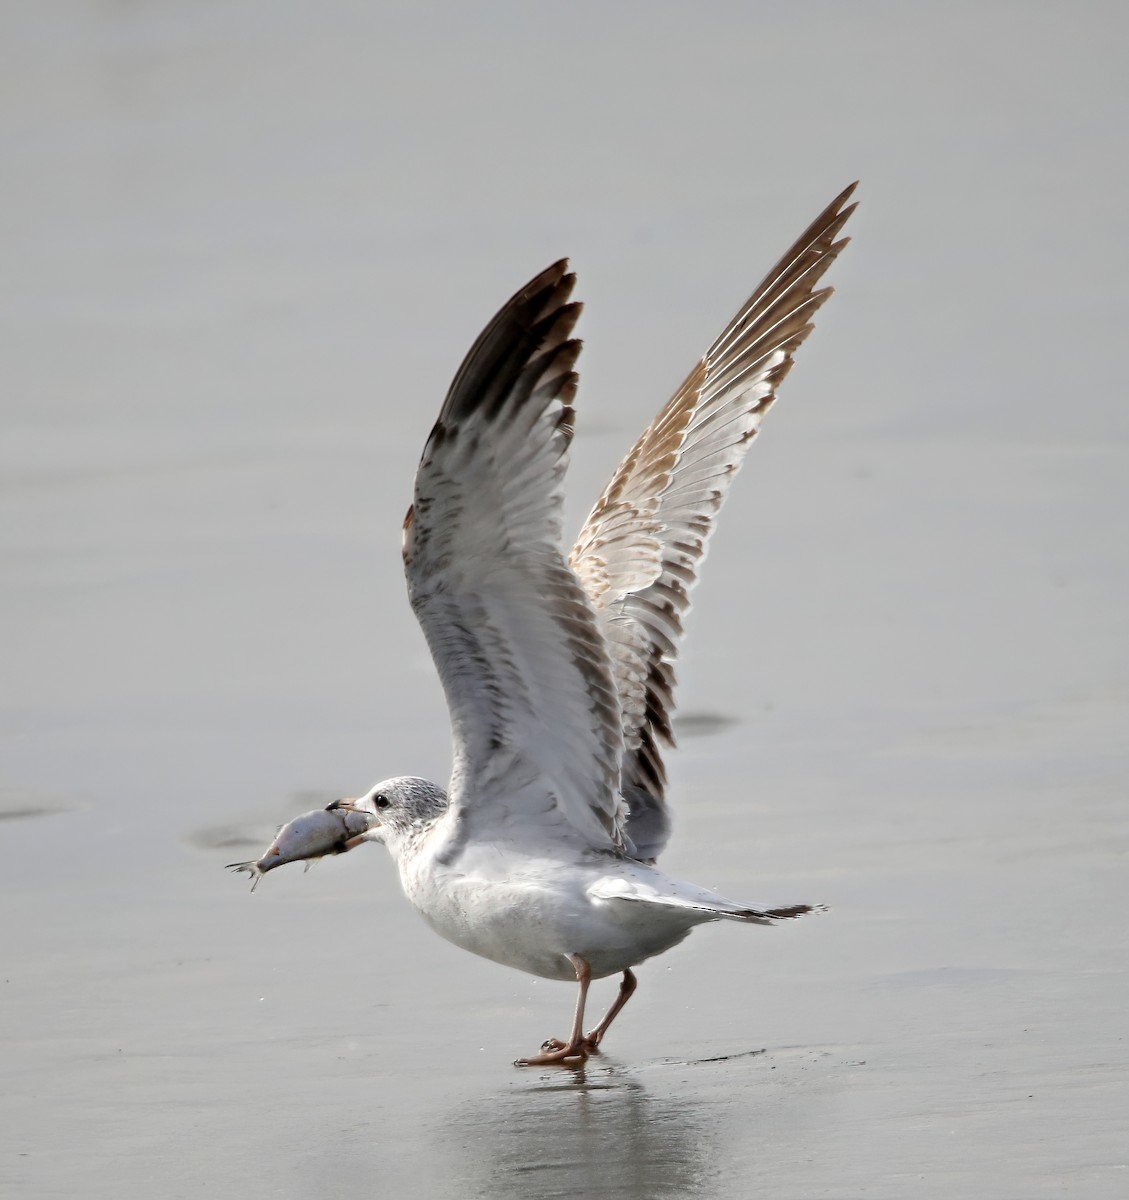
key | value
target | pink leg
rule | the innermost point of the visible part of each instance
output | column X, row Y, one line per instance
column 626, row 989
column 577, row 1046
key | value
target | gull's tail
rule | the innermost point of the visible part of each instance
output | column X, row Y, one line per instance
column 689, row 898
column 769, row 916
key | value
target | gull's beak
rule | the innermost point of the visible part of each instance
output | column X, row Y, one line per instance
column 356, row 806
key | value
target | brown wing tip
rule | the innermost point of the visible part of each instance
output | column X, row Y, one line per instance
column 560, row 323
column 549, row 277
column 834, row 215
column 536, row 319
column 545, row 298
column 554, row 283
column 556, row 308
column 847, row 192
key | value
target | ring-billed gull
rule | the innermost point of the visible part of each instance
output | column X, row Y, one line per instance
column 559, row 672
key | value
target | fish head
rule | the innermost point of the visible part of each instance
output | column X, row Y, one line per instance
column 360, row 812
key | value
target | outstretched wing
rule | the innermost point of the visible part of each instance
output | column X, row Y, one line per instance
column 526, row 669
column 639, row 551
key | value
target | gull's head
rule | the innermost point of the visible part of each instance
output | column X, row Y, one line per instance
column 401, row 807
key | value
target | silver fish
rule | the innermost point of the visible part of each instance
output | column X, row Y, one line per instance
column 313, row 835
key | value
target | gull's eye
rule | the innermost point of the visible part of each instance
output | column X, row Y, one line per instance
column 381, row 801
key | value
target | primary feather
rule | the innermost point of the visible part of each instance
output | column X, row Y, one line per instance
column 640, row 550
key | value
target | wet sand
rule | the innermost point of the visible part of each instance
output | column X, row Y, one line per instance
column 247, row 247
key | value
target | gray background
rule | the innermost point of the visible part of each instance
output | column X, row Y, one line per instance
column 245, row 246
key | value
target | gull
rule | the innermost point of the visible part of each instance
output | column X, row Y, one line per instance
column 559, row 671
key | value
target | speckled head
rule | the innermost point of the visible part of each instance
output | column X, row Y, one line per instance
column 403, row 807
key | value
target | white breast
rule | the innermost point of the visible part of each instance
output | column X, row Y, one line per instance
column 530, row 914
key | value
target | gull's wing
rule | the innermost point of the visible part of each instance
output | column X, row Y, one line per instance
column 528, row 677
column 639, row 551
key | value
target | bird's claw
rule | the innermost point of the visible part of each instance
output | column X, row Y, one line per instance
column 591, row 1043
column 556, row 1052
column 566, row 1056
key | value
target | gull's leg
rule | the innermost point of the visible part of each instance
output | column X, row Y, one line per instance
column 577, row 1046
column 627, row 988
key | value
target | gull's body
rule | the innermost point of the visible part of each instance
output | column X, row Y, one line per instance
column 559, row 674
column 531, row 913
column 531, row 909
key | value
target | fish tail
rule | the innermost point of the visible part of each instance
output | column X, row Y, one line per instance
column 250, row 867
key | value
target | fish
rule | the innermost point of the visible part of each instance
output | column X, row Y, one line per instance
column 330, row 830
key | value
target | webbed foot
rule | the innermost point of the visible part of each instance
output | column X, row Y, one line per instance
column 556, row 1052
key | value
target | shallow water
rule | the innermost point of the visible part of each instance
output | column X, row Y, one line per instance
column 246, row 247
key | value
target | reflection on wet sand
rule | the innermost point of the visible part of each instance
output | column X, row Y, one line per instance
column 590, row 1131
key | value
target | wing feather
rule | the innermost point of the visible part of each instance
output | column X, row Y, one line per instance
column 523, row 662
column 640, row 549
